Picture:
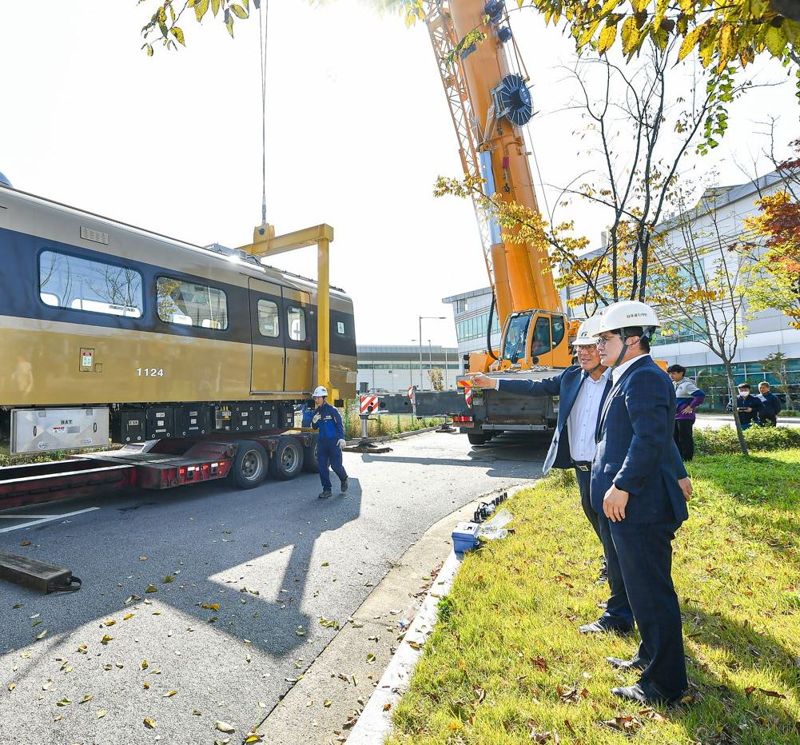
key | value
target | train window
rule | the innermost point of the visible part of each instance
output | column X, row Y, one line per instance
column 268, row 319
column 297, row 324
column 71, row 282
column 191, row 304
column 340, row 328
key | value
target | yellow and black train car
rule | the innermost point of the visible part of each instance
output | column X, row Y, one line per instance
column 104, row 324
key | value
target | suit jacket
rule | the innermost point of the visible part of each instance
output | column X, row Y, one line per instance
column 636, row 450
column 566, row 385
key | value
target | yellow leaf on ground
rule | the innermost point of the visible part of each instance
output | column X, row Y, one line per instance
column 149, row 723
column 169, row 694
column 106, row 639
column 224, row 727
column 87, row 697
column 210, row 606
column 101, row 713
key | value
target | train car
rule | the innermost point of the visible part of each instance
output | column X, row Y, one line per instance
column 110, row 331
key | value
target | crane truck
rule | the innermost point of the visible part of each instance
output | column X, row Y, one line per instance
column 486, row 86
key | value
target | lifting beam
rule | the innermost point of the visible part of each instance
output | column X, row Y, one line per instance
column 266, row 243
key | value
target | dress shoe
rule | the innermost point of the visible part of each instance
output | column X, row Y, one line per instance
column 345, row 484
column 602, row 626
column 325, row 494
column 639, row 695
column 621, row 664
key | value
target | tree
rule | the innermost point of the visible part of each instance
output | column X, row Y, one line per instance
column 436, row 378
column 163, row 25
column 724, row 33
column 775, row 364
column 775, row 250
column 696, row 280
column 640, row 134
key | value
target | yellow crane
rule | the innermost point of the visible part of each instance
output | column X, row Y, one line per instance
column 486, row 86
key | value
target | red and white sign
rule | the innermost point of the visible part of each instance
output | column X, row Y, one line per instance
column 467, row 392
column 367, row 404
column 412, row 395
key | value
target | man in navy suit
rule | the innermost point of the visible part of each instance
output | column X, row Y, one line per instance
column 636, row 492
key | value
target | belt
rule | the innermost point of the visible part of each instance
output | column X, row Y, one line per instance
column 582, row 465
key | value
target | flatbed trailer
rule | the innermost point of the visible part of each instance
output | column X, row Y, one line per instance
column 161, row 464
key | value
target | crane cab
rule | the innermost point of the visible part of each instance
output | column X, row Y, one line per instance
column 535, row 337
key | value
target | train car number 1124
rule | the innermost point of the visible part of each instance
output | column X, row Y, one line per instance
column 150, row 372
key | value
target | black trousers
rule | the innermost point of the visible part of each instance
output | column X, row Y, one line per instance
column 684, row 438
column 644, row 552
column 584, row 479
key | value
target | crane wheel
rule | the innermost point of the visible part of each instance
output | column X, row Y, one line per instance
column 287, row 459
column 250, row 465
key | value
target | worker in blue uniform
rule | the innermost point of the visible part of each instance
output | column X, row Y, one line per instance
column 328, row 422
column 636, row 493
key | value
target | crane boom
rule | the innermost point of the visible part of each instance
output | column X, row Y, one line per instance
column 486, row 89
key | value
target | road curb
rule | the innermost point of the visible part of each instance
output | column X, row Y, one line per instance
column 375, row 723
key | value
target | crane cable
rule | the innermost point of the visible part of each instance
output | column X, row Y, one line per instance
column 263, row 14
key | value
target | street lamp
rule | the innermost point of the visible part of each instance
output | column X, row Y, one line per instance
column 421, row 318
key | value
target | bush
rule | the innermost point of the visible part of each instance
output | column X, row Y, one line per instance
column 724, row 440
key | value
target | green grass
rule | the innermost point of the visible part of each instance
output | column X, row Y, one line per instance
column 506, row 663
column 759, row 439
column 385, row 424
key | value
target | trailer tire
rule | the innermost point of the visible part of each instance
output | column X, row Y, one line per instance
column 477, row 439
column 287, row 459
column 310, row 462
column 250, row 465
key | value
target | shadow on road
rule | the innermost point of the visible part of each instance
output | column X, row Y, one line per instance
column 218, row 546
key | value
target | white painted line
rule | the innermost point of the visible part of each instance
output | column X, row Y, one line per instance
column 375, row 722
column 47, row 520
column 22, row 517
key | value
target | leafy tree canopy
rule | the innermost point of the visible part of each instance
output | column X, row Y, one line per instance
column 163, row 27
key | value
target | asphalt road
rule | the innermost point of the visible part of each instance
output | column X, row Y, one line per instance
column 248, row 588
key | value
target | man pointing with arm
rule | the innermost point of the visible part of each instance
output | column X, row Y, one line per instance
column 581, row 389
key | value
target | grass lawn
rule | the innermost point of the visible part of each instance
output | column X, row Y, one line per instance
column 506, row 663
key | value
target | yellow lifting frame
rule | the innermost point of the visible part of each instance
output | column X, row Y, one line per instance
column 266, row 243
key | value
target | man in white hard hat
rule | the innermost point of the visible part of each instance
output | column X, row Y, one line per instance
column 330, row 442
column 581, row 390
column 635, row 489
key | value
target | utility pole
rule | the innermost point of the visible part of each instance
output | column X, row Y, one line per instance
column 421, row 318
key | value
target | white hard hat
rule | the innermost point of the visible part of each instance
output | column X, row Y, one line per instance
column 627, row 313
column 320, row 392
column 587, row 333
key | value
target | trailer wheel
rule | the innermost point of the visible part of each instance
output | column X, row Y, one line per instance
column 477, row 439
column 250, row 465
column 287, row 459
column 310, row 462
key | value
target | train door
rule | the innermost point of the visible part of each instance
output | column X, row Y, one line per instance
column 300, row 323
column 268, row 334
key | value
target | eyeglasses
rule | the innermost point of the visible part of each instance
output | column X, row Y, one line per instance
column 601, row 342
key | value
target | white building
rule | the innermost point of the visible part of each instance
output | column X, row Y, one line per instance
column 722, row 210
column 393, row 369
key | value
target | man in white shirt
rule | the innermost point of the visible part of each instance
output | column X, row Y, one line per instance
column 581, row 390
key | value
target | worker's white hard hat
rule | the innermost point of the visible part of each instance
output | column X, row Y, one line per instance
column 627, row 313
column 587, row 333
column 320, row 392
